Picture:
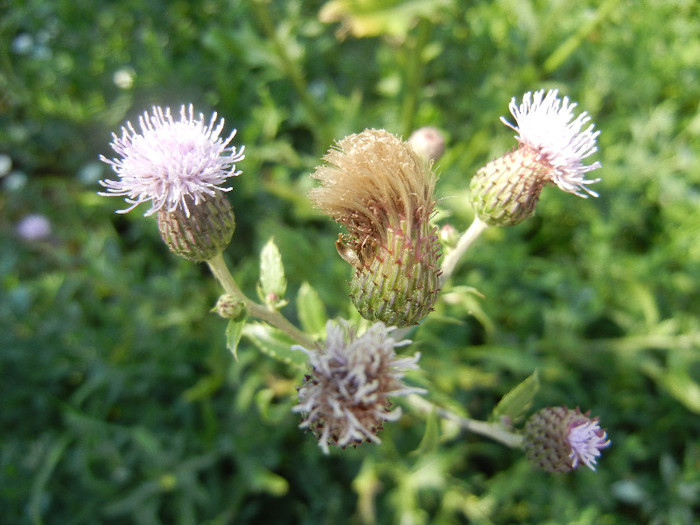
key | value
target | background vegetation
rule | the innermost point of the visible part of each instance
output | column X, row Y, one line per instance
column 120, row 402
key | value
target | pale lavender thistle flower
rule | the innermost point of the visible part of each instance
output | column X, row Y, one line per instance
column 558, row 439
column 586, row 440
column 552, row 148
column 171, row 164
column 34, row 227
column 345, row 398
column 544, row 123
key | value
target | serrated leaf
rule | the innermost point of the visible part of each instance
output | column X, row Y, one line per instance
column 312, row 311
column 273, row 283
column 518, row 401
column 234, row 331
column 274, row 343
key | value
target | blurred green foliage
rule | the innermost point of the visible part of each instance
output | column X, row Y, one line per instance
column 120, row 401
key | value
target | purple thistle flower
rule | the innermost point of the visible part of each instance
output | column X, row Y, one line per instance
column 586, row 440
column 171, row 162
column 345, row 398
column 558, row 439
column 544, row 123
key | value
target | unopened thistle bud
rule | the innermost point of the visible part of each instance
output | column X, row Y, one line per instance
column 552, row 148
column 179, row 168
column 202, row 234
column 428, row 142
column 345, row 399
column 229, row 307
column 558, row 439
column 381, row 190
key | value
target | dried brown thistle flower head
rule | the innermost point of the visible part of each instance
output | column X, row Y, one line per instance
column 381, row 190
column 345, row 398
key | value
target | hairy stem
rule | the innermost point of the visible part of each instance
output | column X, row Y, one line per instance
column 272, row 317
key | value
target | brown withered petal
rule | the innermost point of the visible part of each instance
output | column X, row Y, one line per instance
column 381, row 190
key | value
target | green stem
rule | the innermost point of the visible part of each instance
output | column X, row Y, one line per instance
column 494, row 431
column 565, row 50
column 449, row 263
column 414, row 77
column 290, row 66
column 272, row 317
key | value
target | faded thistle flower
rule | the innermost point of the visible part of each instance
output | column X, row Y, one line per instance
column 345, row 399
column 381, row 190
column 553, row 145
column 178, row 167
column 558, row 439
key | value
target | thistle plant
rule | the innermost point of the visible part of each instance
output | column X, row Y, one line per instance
column 552, row 148
column 558, row 439
column 381, row 190
column 345, row 400
column 178, row 166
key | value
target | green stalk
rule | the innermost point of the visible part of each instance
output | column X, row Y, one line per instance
column 413, row 79
column 567, row 47
column 272, row 317
column 495, row 431
column 290, row 67
column 449, row 263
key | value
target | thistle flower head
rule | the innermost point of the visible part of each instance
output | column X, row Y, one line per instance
column 371, row 180
column 547, row 125
column 172, row 164
column 558, row 439
column 552, row 148
column 345, row 398
column 381, row 190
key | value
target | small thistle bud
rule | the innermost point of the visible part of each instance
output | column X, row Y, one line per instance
column 558, row 439
column 381, row 190
column 203, row 233
column 428, row 142
column 229, row 307
column 449, row 235
column 552, row 148
column 345, row 399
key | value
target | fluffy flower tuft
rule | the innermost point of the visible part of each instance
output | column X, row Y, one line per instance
column 172, row 164
column 586, row 440
column 547, row 125
column 381, row 190
column 345, row 399
column 558, row 439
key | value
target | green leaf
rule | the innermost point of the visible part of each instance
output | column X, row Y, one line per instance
column 312, row 311
column 206, row 387
column 677, row 382
column 273, row 284
column 431, row 438
column 518, row 401
column 274, row 343
column 234, row 330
